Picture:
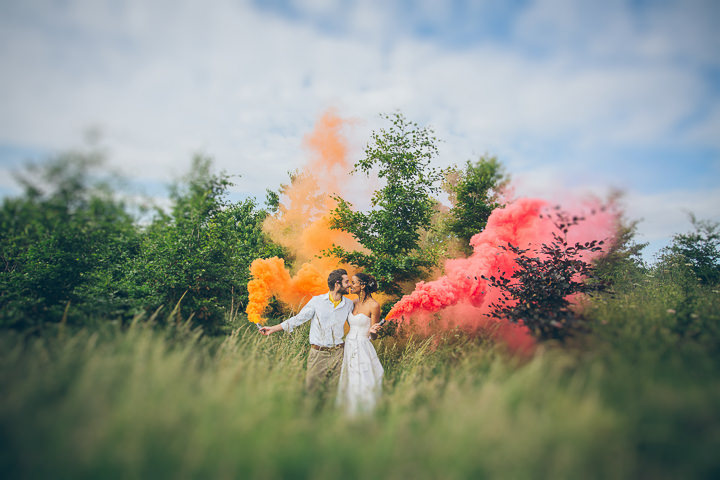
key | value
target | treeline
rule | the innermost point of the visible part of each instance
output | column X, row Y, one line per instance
column 75, row 251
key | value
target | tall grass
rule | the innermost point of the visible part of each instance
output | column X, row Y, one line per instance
column 168, row 402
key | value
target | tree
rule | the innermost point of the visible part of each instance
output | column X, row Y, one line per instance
column 623, row 261
column 474, row 194
column 70, row 250
column 201, row 251
column 539, row 292
column 699, row 250
column 400, row 210
column 689, row 268
column 64, row 243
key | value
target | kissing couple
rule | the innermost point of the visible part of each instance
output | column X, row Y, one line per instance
column 349, row 368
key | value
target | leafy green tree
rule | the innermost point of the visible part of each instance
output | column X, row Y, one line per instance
column 201, row 250
column 474, row 193
column 390, row 231
column 623, row 263
column 64, row 243
column 688, row 271
column 272, row 200
column 70, row 250
column 699, row 250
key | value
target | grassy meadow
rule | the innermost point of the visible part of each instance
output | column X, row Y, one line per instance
column 637, row 398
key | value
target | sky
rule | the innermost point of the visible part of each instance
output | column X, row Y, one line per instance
column 574, row 98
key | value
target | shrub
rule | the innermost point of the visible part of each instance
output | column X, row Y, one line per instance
column 539, row 292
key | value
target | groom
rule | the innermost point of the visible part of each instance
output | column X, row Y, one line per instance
column 328, row 313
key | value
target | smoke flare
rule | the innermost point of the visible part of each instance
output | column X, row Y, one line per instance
column 464, row 297
column 302, row 225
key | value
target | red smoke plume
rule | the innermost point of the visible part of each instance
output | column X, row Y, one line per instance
column 464, row 297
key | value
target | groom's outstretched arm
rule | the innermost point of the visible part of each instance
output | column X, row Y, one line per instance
column 291, row 323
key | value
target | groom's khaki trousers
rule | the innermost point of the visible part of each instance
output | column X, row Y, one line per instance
column 323, row 372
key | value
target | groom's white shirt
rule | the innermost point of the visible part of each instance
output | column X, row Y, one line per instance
column 328, row 321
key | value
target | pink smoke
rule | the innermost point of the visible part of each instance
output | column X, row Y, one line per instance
column 462, row 295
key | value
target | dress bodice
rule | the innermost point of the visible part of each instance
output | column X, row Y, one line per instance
column 359, row 326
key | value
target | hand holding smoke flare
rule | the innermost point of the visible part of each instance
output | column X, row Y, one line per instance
column 374, row 329
column 262, row 330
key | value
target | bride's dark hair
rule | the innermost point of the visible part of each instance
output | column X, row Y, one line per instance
column 368, row 281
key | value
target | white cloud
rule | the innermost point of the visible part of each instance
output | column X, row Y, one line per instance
column 707, row 131
column 665, row 212
column 7, row 184
column 166, row 79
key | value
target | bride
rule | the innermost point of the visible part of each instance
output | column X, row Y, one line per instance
column 361, row 374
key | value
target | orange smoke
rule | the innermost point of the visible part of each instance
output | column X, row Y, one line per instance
column 302, row 224
column 271, row 278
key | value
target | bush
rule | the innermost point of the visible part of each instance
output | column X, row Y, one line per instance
column 539, row 292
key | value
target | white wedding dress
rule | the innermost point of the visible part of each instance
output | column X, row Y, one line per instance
column 361, row 374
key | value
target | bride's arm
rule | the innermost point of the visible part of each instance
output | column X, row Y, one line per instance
column 374, row 319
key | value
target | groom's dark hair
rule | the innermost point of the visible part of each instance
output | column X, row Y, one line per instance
column 336, row 277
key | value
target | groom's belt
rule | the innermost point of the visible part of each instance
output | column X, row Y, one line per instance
column 325, row 349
